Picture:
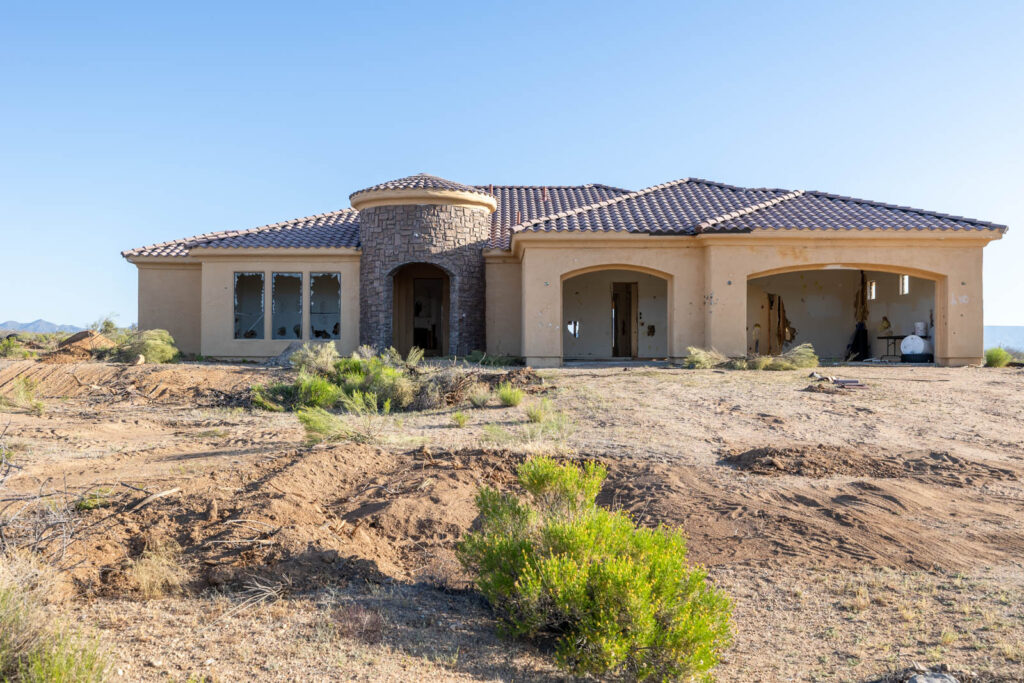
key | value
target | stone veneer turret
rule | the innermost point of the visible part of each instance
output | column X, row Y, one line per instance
column 423, row 219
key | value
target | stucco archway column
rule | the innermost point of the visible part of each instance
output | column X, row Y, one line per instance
column 725, row 302
column 542, row 309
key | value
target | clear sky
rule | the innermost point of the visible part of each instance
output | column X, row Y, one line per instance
column 123, row 125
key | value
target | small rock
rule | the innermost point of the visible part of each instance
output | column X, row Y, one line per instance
column 932, row 678
column 140, row 360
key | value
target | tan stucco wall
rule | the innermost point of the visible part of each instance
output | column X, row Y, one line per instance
column 587, row 299
column 218, row 301
column 504, row 296
column 169, row 299
column 708, row 278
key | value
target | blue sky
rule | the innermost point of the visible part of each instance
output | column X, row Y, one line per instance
column 127, row 124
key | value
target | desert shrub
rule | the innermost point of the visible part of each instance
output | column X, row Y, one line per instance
column 321, row 425
column 617, row 599
column 479, row 395
column 1018, row 354
column 460, row 419
column 703, row 359
column 275, row 397
column 758, row 362
column 366, row 422
column 158, row 571
column 549, row 434
column 10, row 347
column 32, row 648
column 801, row 356
column 315, row 390
column 446, row 386
column 376, row 376
column 22, row 396
column 157, row 346
column 509, row 395
column 736, row 364
column 539, row 411
column 317, row 359
column 997, row 357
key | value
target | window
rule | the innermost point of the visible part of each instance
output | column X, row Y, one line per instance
column 573, row 328
column 248, row 305
column 324, row 305
column 904, row 284
column 872, row 290
column 286, row 306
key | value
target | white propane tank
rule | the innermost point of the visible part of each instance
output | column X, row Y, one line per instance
column 911, row 345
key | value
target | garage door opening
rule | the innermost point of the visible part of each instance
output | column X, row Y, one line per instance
column 614, row 315
column 421, row 306
column 847, row 314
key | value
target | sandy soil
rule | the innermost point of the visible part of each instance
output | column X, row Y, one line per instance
column 858, row 532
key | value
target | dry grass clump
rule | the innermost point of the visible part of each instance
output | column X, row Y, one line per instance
column 447, row 386
column 316, row 358
column 22, row 396
column 479, row 395
column 158, row 572
column 801, row 356
column 32, row 647
column 460, row 419
column 509, row 395
column 703, row 359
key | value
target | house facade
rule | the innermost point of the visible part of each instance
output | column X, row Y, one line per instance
column 589, row 272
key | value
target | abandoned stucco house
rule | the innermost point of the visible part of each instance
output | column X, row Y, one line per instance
column 577, row 272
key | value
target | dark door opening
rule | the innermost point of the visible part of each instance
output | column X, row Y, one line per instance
column 624, row 319
column 420, row 316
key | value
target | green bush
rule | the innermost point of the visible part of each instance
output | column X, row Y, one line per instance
column 376, row 376
column 10, row 347
column 997, row 357
column 157, row 346
column 509, row 395
column 314, row 390
column 366, row 422
column 460, row 419
column 617, row 599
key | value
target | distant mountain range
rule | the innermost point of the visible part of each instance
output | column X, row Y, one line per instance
column 44, row 326
column 1007, row 336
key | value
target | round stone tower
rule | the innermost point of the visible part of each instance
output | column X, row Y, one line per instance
column 422, row 269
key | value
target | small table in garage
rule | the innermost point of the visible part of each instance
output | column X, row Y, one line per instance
column 892, row 343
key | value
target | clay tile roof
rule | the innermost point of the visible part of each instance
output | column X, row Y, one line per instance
column 420, row 181
column 338, row 229
column 524, row 203
column 682, row 207
column 692, row 206
column 821, row 211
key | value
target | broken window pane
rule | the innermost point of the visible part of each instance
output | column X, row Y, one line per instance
column 573, row 328
column 248, row 305
column 286, row 306
column 324, row 305
column 904, row 284
column 872, row 290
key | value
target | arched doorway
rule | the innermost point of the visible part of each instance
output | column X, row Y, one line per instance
column 421, row 309
column 847, row 313
column 614, row 314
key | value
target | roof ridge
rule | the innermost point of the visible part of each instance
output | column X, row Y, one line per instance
column 710, row 222
column 552, row 187
column 598, row 205
column 207, row 237
column 897, row 207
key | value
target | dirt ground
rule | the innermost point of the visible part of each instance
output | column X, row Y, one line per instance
column 858, row 532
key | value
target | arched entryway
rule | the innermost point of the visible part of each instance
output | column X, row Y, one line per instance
column 614, row 313
column 847, row 313
column 421, row 309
